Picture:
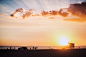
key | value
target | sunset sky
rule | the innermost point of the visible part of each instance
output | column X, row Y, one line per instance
column 42, row 22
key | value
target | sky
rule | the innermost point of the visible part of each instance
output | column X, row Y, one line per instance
column 42, row 22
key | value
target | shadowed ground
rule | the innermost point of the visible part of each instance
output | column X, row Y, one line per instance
column 44, row 53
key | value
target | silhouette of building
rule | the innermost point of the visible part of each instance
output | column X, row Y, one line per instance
column 71, row 45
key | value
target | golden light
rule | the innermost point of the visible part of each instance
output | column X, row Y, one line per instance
column 70, row 14
column 63, row 40
column 23, row 45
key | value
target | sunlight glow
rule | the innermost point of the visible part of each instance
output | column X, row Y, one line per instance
column 63, row 40
column 23, row 45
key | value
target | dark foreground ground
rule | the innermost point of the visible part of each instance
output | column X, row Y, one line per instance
column 44, row 53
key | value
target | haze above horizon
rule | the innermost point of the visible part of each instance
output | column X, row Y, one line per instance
column 42, row 22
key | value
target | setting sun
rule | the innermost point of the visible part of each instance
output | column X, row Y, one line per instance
column 63, row 40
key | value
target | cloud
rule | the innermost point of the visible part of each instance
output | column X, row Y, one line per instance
column 27, row 14
column 54, row 12
column 36, row 15
column 76, row 19
column 3, row 14
column 78, row 9
column 49, row 13
column 19, row 10
column 64, row 14
column 51, row 18
column 44, row 13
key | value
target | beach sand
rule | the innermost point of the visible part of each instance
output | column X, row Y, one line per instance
column 44, row 53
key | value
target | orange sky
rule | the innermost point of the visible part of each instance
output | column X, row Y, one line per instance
column 40, row 31
column 40, row 23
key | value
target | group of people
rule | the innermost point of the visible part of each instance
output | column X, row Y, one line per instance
column 34, row 48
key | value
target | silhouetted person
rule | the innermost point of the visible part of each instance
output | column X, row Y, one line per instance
column 14, row 48
column 1, row 48
column 49, row 47
column 79, row 47
column 30, row 48
column 36, row 48
column 10, row 48
column 7, row 48
column 33, row 47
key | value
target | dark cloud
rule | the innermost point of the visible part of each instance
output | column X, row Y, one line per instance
column 78, row 9
column 27, row 14
column 17, row 11
column 13, row 14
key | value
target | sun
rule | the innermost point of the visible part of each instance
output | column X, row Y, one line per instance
column 63, row 40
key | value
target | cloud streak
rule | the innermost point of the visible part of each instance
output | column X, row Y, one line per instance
column 3, row 14
column 76, row 19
